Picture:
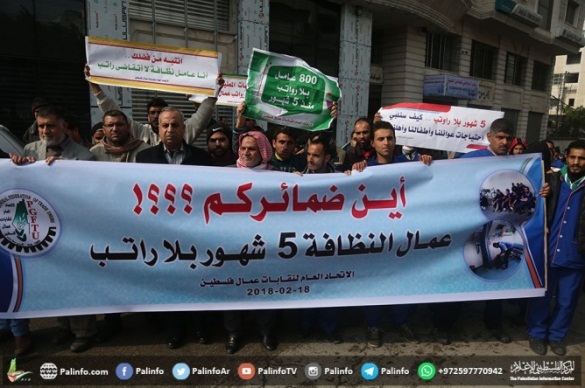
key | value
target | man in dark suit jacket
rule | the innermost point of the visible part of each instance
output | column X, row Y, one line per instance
column 173, row 150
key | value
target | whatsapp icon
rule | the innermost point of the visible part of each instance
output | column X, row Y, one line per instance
column 426, row 371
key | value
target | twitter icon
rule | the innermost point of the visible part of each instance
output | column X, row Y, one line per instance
column 181, row 371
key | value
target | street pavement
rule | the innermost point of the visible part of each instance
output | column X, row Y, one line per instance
column 142, row 348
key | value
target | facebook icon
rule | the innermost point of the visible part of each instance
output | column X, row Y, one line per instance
column 124, row 371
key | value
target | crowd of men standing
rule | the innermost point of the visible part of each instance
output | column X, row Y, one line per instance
column 167, row 138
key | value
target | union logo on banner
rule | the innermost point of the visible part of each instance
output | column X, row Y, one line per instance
column 29, row 225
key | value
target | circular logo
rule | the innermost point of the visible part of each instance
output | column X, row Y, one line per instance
column 48, row 371
column 246, row 371
column 124, row 371
column 313, row 371
column 370, row 371
column 29, row 226
column 427, row 371
column 181, row 371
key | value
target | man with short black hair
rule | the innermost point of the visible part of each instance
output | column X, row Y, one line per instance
column 383, row 142
column 566, row 256
column 319, row 162
column 363, row 148
column 284, row 158
column 500, row 137
column 220, row 147
column 118, row 144
column 319, row 157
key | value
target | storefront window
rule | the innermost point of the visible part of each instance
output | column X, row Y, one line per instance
column 43, row 56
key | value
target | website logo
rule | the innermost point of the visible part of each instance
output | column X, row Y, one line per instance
column 29, row 225
column 246, row 371
column 370, row 371
column 313, row 371
column 48, row 371
column 427, row 371
column 14, row 374
column 181, row 371
column 124, row 371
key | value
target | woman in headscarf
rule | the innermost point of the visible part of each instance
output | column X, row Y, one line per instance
column 517, row 147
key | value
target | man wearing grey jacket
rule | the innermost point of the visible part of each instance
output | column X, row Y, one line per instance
column 54, row 145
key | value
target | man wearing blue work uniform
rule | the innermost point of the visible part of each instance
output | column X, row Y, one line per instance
column 566, row 256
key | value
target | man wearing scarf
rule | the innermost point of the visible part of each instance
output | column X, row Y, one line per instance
column 254, row 153
column 566, row 256
column 118, row 144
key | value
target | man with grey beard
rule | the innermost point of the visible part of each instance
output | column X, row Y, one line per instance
column 54, row 145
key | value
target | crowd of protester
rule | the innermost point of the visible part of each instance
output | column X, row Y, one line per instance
column 168, row 137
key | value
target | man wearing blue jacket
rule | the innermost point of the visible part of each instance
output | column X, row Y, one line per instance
column 566, row 256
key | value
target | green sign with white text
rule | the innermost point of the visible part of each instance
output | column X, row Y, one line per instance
column 286, row 90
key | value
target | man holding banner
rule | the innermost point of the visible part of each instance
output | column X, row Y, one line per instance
column 383, row 142
column 55, row 144
column 319, row 162
column 118, row 145
column 499, row 137
column 566, row 266
column 149, row 132
column 173, row 150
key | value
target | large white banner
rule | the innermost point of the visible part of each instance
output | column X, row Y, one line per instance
column 87, row 237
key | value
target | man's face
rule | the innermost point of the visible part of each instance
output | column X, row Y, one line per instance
column 116, row 130
column 284, row 146
column 575, row 161
column 384, row 142
column 98, row 136
column 353, row 141
column 218, row 144
column 499, row 142
column 316, row 158
column 250, row 124
column 171, row 129
column 51, row 130
column 361, row 132
column 153, row 116
column 249, row 152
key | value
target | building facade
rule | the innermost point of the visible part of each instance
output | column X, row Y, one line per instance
column 492, row 54
column 568, row 90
